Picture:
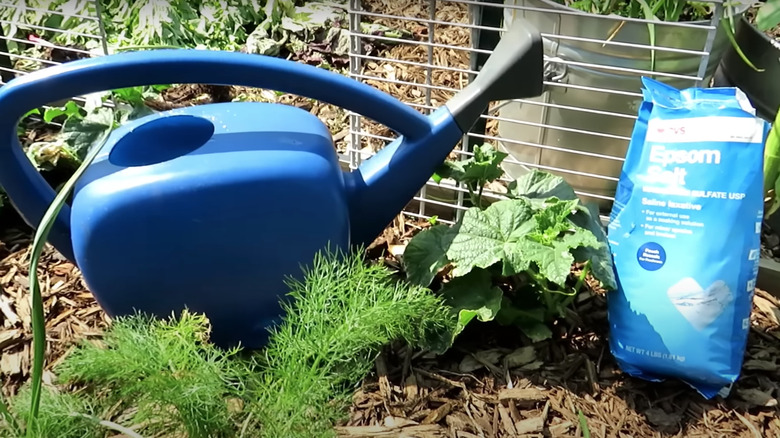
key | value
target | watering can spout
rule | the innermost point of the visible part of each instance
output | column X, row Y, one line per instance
column 383, row 185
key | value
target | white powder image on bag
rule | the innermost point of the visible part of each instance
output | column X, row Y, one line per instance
column 701, row 307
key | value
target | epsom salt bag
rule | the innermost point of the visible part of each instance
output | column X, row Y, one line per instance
column 685, row 237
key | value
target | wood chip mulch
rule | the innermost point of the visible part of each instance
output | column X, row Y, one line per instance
column 71, row 312
column 496, row 383
column 493, row 383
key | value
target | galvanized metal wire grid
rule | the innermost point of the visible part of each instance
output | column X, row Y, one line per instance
column 587, row 153
column 19, row 33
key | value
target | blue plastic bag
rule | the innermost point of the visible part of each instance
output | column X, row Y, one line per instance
column 685, row 237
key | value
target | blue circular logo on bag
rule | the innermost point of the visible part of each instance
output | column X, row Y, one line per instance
column 651, row 256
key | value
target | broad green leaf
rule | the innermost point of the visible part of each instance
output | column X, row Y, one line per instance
column 69, row 110
column 530, row 321
column 600, row 258
column 768, row 15
column 81, row 134
column 484, row 167
column 554, row 262
column 449, row 169
column 536, row 331
column 538, row 184
column 772, row 156
column 426, row 253
column 551, row 220
column 473, row 296
column 509, row 232
column 490, row 236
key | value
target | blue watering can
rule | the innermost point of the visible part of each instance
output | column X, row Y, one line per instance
column 211, row 207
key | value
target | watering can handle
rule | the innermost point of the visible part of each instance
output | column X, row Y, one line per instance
column 31, row 194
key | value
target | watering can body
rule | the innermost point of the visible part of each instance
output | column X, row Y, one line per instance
column 206, row 206
column 213, row 207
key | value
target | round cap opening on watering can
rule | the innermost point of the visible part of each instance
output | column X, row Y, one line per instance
column 161, row 140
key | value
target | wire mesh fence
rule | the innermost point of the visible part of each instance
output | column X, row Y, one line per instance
column 424, row 51
column 38, row 34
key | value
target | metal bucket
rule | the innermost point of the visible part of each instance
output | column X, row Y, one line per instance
column 575, row 130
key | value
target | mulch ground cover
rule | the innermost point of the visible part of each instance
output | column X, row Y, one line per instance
column 493, row 383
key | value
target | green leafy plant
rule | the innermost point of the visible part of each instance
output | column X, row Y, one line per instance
column 151, row 376
column 475, row 171
column 36, row 305
column 336, row 322
column 665, row 10
column 512, row 260
column 772, row 168
column 768, row 15
column 166, row 371
column 651, row 10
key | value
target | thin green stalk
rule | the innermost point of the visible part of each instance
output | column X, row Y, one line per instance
column 729, row 30
column 580, row 281
column 583, row 424
column 650, row 15
column 38, row 321
column 583, row 275
column 772, row 164
column 772, row 155
column 109, row 425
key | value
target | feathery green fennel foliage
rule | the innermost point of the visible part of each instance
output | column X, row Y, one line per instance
column 158, row 376
column 56, row 417
column 165, row 369
column 338, row 319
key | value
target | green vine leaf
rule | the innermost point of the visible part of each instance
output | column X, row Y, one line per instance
column 82, row 133
column 768, row 15
column 426, row 253
column 554, row 260
column 551, row 219
column 537, row 184
column 489, row 236
column 473, row 296
column 531, row 321
column 539, row 187
column 483, row 167
column 587, row 216
column 513, row 233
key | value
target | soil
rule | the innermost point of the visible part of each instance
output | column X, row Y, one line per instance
column 185, row 95
column 770, row 243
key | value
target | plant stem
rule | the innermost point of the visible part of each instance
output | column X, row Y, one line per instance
column 472, row 196
column 583, row 275
column 109, row 425
column 38, row 322
column 772, row 156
